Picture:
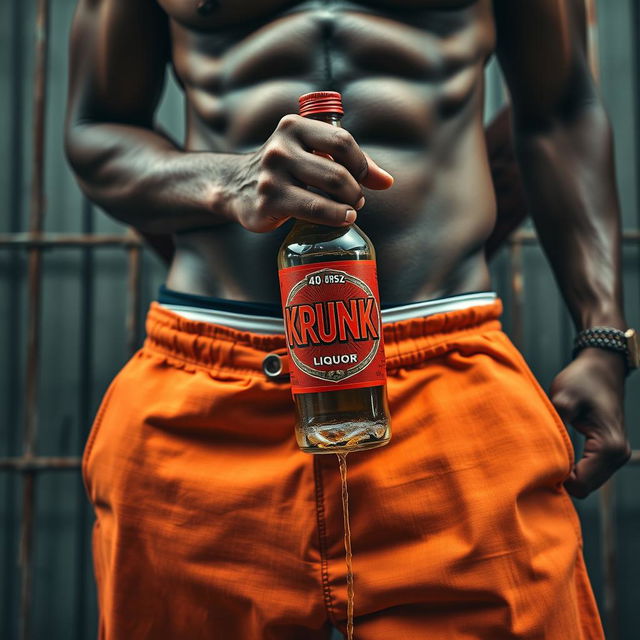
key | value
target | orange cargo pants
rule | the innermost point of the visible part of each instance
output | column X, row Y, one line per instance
column 212, row 525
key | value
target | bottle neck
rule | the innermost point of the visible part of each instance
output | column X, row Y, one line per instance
column 330, row 118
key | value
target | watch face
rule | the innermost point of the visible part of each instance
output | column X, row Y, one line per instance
column 634, row 348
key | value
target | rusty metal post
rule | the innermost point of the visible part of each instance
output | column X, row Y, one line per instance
column 84, row 417
column 29, row 464
column 13, row 339
column 635, row 17
column 67, row 240
column 36, row 218
column 607, row 504
column 592, row 38
column 516, row 291
column 134, row 283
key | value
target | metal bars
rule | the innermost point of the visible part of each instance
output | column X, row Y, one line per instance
column 36, row 218
column 34, row 242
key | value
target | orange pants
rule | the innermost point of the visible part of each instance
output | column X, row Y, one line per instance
column 212, row 525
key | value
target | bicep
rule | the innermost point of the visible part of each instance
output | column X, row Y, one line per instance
column 118, row 56
column 541, row 46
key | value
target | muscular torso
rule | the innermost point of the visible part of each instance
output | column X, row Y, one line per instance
column 411, row 77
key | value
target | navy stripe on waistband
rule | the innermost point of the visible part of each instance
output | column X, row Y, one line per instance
column 172, row 297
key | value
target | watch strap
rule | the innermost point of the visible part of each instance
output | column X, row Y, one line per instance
column 611, row 339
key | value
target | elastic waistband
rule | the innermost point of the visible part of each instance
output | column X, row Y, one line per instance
column 218, row 347
column 221, row 312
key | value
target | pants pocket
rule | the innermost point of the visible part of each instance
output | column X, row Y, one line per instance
column 560, row 428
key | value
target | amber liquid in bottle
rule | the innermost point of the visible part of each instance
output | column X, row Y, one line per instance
column 343, row 420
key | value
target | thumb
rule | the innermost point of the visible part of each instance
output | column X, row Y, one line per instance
column 376, row 178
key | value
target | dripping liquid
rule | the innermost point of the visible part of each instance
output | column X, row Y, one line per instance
column 342, row 459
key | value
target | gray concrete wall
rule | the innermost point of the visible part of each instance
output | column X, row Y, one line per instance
column 84, row 303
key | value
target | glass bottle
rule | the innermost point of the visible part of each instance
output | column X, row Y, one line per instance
column 333, row 325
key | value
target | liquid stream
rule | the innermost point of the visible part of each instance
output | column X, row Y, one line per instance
column 342, row 459
column 341, row 438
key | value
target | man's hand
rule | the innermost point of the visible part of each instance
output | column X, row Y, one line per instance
column 271, row 186
column 588, row 394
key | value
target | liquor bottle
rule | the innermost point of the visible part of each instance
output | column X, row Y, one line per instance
column 333, row 326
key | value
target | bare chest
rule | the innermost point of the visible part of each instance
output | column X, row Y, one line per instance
column 216, row 14
column 243, row 64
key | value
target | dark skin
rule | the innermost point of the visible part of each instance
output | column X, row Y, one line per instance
column 411, row 76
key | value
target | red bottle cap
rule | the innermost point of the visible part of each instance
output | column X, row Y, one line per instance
column 320, row 102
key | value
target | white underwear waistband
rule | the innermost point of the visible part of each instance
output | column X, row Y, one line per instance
column 269, row 325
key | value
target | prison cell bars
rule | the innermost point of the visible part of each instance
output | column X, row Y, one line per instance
column 16, row 105
column 35, row 241
column 34, row 280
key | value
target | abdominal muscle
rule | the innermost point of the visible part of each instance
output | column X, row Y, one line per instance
column 423, row 125
column 429, row 239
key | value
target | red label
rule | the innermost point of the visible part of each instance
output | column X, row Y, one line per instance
column 333, row 325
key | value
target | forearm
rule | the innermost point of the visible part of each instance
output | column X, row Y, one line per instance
column 141, row 178
column 570, row 184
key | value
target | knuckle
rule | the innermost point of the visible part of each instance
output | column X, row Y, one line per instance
column 266, row 188
column 363, row 169
column 274, row 153
column 318, row 210
column 617, row 451
column 560, row 401
column 265, row 218
column 288, row 122
column 342, row 140
column 263, row 208
column 336, row 178
column 563, row 403
column 622, row 452
column 314, row 208
column 261, row 205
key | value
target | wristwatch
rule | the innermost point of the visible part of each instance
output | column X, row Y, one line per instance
column 625, row 342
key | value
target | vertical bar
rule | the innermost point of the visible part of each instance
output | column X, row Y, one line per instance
column 635, row 15
column 84, row 413
column 607, row 504
column 592, row 38
column 14, row 333
column 134, row 291
column 36, row 218
column 517, row 291
column 566, row 336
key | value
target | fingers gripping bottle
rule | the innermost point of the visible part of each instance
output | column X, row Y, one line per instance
column 333, row 326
